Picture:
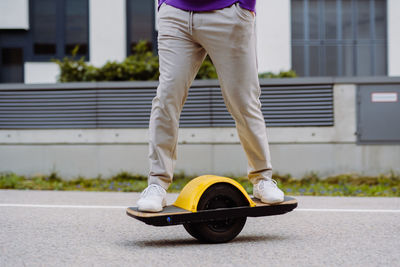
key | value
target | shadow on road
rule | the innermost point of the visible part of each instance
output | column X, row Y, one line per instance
column 190, row 241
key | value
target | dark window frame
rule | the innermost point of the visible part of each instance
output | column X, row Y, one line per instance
column 60, row 36
column 10, row 38
column 322, row 42
column 128, row 5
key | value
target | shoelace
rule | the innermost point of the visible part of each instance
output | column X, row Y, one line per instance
column 151, row 190
column 272, row 180
column 269, row 182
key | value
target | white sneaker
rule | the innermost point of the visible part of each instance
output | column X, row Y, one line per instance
column 268, row 192
column 152, row 199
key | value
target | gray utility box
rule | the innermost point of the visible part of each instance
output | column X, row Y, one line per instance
column 378, row 109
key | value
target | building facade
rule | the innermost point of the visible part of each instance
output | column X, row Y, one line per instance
column 312, row 37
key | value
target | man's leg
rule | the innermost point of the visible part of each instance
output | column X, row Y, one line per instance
column 228, row 35
column 180, row 59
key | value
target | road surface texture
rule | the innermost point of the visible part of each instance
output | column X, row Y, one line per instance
column 50, row 228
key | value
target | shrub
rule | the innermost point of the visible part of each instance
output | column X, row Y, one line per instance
column 281, row 74
column 340, row 185
column 207, row 70
column 142, row 65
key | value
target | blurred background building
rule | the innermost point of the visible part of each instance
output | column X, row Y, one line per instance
column 345, row 122
column 312, row 37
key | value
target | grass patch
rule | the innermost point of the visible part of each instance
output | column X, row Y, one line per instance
column 311, row 185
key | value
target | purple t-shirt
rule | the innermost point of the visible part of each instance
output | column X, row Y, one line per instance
column 208, row 5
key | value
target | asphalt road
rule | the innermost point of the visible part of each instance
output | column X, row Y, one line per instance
column 92, row 229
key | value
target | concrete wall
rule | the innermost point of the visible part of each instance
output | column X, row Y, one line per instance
column 14, row 14
column 273, row 35
column 393, row 9
column 294, row 150
column 91, row 160
column 107, row 31
column 41, row 72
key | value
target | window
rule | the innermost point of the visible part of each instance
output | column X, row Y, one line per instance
column 44, row 27
column 140, row 23
column 58, row 26
column 339, row 37
column 12, row 55
column 76, row 26
column 11, row 65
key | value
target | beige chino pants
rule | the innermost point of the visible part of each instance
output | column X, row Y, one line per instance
column 184, row 39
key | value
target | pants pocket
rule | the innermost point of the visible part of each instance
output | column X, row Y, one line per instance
column 244, row 13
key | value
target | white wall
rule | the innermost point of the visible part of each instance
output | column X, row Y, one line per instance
column 107, row 31
column 156, row 14
column 41, row 72
column 393, row 20
column 273, row 35
column 297, row 159
column 14, row 14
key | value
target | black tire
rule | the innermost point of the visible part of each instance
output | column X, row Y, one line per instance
column 220, row 195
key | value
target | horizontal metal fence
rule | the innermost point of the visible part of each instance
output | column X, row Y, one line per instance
column 128, row 105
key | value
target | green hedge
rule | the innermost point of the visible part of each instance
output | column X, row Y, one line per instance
column 142, row 65
column 311, row 185
column 281, row 74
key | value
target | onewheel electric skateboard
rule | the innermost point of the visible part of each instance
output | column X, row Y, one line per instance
column 212, row 209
